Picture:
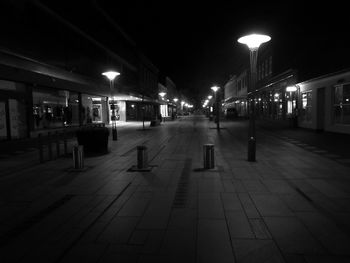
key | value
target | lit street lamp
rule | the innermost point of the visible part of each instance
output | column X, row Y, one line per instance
column 253, row 42
column 215, row 89
column 162, row 94
column 111, row 76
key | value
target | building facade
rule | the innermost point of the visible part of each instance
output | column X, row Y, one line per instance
column 324, row 102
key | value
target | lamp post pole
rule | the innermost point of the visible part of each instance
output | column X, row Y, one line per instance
column 111, row 76
column 253, row 42
column 113, row 117
column 215, row 89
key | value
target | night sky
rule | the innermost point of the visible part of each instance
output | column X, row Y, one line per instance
column 195, row 43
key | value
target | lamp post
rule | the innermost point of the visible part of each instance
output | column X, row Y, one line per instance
column 162, row 94
column 253, row 42
column 111, row 76
column 215, row 89
column 294, row 104
column 174, row 114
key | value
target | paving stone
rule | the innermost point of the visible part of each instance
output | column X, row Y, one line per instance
column 254, row 186
column 256, row 251
column 248, row 205
column 259, row 228
column 210, row 206
column 213, row 242
column 327, row 232
column 231, row 202
column 297, row 202
column 292, row 236
column 270, row 205
column 84, row 253
column 179, row 242
column 136, row 205
column 328, row 189
column 153, row 242
column 119, row 230
column 279, row 186
column 238, row 225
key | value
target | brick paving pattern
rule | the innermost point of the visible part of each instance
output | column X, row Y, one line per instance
column 292, row 205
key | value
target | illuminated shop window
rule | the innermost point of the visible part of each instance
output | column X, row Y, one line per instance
column 306, row 99
column 341, row 108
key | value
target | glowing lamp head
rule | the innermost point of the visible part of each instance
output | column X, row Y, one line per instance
column 176, row 99
column 215, row 88
column 254, row 41
column 182, row 102
column 210, row 96
column 162, row 94
column 111, row 74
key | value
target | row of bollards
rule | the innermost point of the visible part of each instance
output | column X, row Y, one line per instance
column 208, row 157
column 50, row 140
column 142, row 156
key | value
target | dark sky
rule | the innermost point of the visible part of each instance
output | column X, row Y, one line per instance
column 195, row 42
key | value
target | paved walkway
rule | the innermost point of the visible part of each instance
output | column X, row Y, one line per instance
column 292, row 205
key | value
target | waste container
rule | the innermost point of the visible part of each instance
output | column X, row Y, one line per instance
column 78, row 157
column 208, row 156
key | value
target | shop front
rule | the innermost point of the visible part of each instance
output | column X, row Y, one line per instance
column 13, row 110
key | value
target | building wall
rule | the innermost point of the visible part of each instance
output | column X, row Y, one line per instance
column 328, row 83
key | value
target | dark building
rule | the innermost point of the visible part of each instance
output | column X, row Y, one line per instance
column 51, row 61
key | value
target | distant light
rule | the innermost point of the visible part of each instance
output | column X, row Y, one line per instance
column 162, row 94
column 291, row 88
column 254, row 41
column 210, row 96
column 215, row 88
column 277, row 95
column 176, row 99
column 111, row 74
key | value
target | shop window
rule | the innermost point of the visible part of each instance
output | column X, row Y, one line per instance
column 55, row 108
column 306, row 99
column 341, row 108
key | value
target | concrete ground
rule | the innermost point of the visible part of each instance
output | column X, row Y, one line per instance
column 292, row 205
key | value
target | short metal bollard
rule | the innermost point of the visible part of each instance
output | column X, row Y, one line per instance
column 208, row 156
column 78, row 157
column 142, row 160
column 40, row 147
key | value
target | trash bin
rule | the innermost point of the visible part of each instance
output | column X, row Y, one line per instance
column 142, row 160
column 208, row 156
column 78, row 157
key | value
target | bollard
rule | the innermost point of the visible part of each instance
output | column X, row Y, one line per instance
column 208, row 156
column 251, row 149
column 65, row 143
column 49, row 144
column 142, row 160
column 78, row 157
column 57, row 144
column 40, row 147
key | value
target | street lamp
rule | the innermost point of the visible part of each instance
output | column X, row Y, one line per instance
column 162, row 94
column 293, row 104
column 111, row 76
column 215, row 89
column 253, row 42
